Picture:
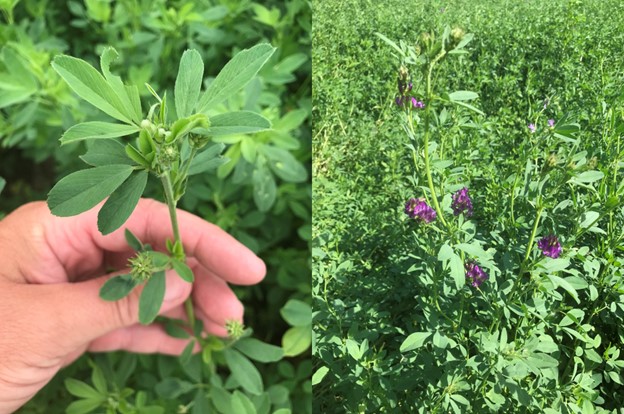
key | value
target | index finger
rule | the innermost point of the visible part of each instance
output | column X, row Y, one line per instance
column 211, row 246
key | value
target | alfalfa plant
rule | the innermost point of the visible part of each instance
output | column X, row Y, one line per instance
column 171, row 141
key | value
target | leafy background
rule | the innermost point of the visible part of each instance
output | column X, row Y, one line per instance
column 36, row 107
column 369, row 284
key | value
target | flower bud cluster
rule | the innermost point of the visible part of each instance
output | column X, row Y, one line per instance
column 141, row 266
column 234, row 329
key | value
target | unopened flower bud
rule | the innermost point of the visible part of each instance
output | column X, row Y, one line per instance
column 552, row 160
column 403, row 74
column 426, row 40
column 146, row 124
column 592, row 163
column 457, row 34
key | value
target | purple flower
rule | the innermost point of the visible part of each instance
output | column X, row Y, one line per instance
column 550, row 246
column 417, row 208
column 532, row 128
column 461, row 202
column 399, row 101
column 475, row 273
column 417, row 104
column 551, row 123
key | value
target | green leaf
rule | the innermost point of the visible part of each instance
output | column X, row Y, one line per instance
column 233, row 155
column 264, row 188
column 18, row 84
column 297, row 313
column 297, row 340
column 117, row 287
column 588, row 177
column 241, row 404
column 249, row 149
column 293, row 119
column 83, row 406
column 106, row 152
column 284, row 164
column 97, row 377
column 353, row 348
column 152, row 298
column 83, row 190
column 258, row 350
column 121, row 203
column 91, row 86
column 207, row 160
column 183, row 270
column 472, row 108
column 463, row 96
column 133, row 241
column 187, row 353
column 2, row 184
column 458, row 272
column 391, row 43
column 128, row 95
column 414, row 341
column 235, row 75
column 221, row 399
column 588, row 218
column 241, row 122
column 201, row 405
column 319, row 375
column 185, row 125
column 82, row 390
column 243, row 371
column 171, row 388
column 97, row 130
column 188, row 83
column 559, row 282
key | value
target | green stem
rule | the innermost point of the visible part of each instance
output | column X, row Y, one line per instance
column 184, row 172
column 171, row 203
column 532, row 238
column 429, row 99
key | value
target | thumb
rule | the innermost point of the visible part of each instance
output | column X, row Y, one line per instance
column 83, row 316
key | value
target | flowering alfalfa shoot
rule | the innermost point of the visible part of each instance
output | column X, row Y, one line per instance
column 532, row 128
column 550, row 246
column 417, row 208
column 475, row 274
column 462, row 203
column 551, row 123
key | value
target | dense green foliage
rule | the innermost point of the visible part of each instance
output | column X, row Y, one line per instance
column 397, row 328
column 266, row 205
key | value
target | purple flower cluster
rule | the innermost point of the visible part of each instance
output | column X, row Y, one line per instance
column 475, row 274
column 417, row 104
column 417, row 208
column 550, row 246
column 403, row 99
column 462, row 203
column 533, row 128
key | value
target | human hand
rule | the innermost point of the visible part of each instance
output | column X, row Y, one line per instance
column 51, row 271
